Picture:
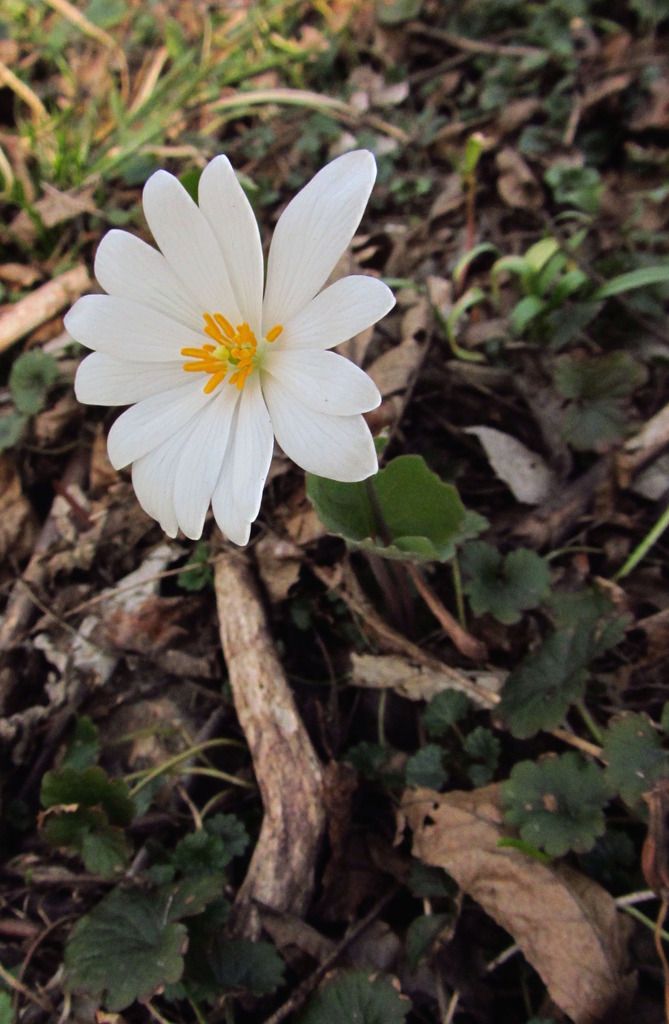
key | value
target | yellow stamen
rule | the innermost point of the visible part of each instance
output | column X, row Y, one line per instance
column 274, row 333
column 235, row 348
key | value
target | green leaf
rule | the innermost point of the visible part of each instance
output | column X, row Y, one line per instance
column 83, row 747
column 30, row 378
column 124, row 950
column 200, row 573
column 404, row 511
column 356, row 998
column 6, row 1009
column 422, row 933
column 580, row 187
column 525, row 311
column 191, row 896
column 538, row 692
column 212, row 848
column 394, row 12
column 88, row 812
column 89, row 788
column 641, row 278
column 503, row 586
column 557, row 804
column 239, row 964
column 11, row 428
column 427, row 882
column 444, row 710
column 369, row 759
column 106, row 13
column 594, row 426
column 614, row 375
column 482, row 746
column 105, row 851
column 426, row 768
column 634, row 755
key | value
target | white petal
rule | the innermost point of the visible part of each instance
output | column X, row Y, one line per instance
column 103, row 380
column 231, row 218
column 128, row 267
column 230, row 519
column 253, row 446
column 337, row 447
column 188, row 243
column 201, row 459
column 324, row 381
column 153, row 479
column 142, row 428
column 312, row 233
column 126, row 330
column 338, row 313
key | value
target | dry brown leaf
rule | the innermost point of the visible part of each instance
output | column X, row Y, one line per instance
column 54, row 207
column 413, row 682
column 524, row 472
column 18, row 525
column 516, row 184
column 566, row 925
column 279, row 563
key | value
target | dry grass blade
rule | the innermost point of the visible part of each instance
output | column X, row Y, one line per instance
column 281, row 871
column 80, row 21
column 24, row 92
column 567, row 926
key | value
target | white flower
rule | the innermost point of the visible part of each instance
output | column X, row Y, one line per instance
column 216, row 369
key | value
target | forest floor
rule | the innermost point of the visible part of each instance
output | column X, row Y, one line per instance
column 467, row 818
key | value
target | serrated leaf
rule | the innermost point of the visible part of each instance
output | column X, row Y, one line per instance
column 89, row 788
column 191, row 896
column 427, row 882
column 537, row 694
column 83, row 747
column 240, row 964
column 594, row 425
column 231, row 831
column 503, row 586
column 356, row 998
column 557, row 804
column 404, row 511
column 426, row 768
column 482, row 746
column 124, row 950
column 634, row 755
column 369, row 759
column 105, row 851
column 444, row 710
column 614, row 375
column 11, row 429
column 30, row 378
column 421, row 935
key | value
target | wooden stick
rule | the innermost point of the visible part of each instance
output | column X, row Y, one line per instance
column 281, row 872
column 42, row 304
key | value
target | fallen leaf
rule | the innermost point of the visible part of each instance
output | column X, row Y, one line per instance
column 524, row 472
column 567, row 926
column 516, row 184
column 414, row 682
column 54, row 207
column 18, row 524
column 279, row 563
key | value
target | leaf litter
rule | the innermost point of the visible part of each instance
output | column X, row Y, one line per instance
column 520, row 216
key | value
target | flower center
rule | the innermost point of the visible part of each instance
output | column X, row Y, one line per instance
column 235, row 351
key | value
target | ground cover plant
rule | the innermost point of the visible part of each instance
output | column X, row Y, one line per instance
column 403, row 757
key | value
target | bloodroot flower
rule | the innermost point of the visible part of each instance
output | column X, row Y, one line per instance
column 213, row 369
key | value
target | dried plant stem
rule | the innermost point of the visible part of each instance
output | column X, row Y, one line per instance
column 281, row 872
column 42, row 304
column 464, row 641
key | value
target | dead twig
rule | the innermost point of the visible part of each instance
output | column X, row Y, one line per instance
column 42, row 304
column 464, row 641
column 281, row 872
